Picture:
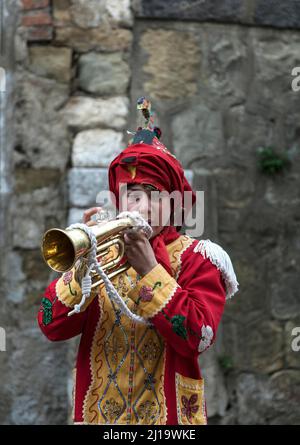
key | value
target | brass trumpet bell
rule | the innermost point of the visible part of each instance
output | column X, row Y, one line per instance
column 62, row 248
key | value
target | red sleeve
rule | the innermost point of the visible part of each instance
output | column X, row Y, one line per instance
column 186, row 312
column 53, row 317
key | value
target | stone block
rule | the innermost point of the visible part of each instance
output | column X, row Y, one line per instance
column 103, row 74
column 96, row 148
column 172, row 63
column 196, row 10
column 42, row 139
column 51, row 61
column 246, row 344
column 198, row 134
column 86, row 112
column 94, row 13
column 277, row 14
column 85, row 184
column 94, row 39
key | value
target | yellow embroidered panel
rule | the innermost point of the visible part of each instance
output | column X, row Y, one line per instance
column 176, row 249
column 190, row 400
column 154, row 291
column 127, row 360
column 67, row 289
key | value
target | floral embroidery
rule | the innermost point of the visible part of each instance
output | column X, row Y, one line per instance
column 207, row 336
column 146, row 293
column 157, row 284
column 47, row 311
column 177, row 322
column 147, row 411
column 189, row 408
column 190, row 400
column 112, row 409
column 150, row 350
column 67, row 278
column 178, row 326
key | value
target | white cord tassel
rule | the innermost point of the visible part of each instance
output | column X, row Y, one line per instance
column 217, row 255
column 86, row 284
column 86, row 287
column 139, row 222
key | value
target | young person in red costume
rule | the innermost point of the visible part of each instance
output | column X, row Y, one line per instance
column 132, row 373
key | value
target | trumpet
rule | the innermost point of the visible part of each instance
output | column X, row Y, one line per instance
column 61, row 249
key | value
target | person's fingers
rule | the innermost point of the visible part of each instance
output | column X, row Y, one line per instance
column 134, row 235
column 91, row 223
column 89, row 213
column 131, row 242
column 128, row 238
column 143, row 233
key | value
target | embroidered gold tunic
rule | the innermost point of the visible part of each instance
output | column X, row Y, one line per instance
column 131, row 373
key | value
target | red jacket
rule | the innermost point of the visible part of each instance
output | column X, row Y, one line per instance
column 129, row 373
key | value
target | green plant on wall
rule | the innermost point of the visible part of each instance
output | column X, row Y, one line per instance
column 226, row 363
column 271, row 162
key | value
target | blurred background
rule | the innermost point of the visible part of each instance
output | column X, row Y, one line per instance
column 220, row 77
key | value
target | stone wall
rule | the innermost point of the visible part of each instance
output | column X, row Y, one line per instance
column 219, row 76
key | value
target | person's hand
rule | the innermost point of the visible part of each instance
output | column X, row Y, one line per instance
column 139, row 251
column 87, row 215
